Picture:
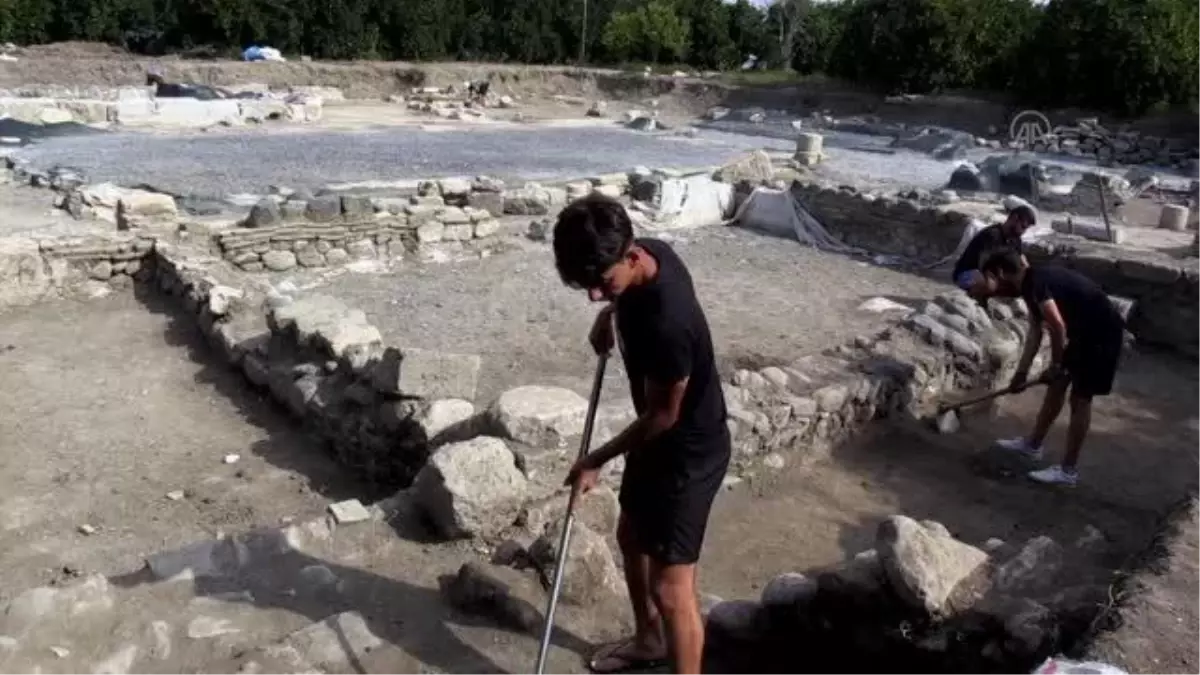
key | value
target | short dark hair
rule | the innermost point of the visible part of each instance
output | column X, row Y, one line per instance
column 1025, row 213
column 592, row 234
column 1003, row 259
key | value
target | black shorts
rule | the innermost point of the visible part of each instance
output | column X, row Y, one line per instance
column 667, row 493
column 1092, row 365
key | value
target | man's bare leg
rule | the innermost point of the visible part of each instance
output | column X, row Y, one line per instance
column 1081, row 421
column 648, row 641
column 675, row 595
column 1052, row 405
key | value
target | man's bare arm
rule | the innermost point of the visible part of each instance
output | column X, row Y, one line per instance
column 1057, row 328
column 1033, row 342
column 663, row 402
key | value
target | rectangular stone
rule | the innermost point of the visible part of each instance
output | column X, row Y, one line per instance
column 349, row 511
column 428, row 374
column 1089, row 230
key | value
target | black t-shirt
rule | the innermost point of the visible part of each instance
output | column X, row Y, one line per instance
column 989, row 238
column 664, row 338
column 1089, row 314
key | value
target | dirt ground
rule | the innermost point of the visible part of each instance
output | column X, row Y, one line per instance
column 1140, row 459
column 105, row 409
column 768, row 301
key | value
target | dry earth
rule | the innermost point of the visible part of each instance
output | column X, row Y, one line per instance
column 767, row 300
column 106, row 410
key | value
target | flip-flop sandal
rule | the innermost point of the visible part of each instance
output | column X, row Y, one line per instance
column 624, row 664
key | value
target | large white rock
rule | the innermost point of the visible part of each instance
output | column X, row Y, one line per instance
column 472, row 488
column 924, row 564
column 142, row 203
column 539, row 416
column 328, row 322
column 590, row 576
column 445, row 413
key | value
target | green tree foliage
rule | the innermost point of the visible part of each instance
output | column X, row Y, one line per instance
column 652, row 33
column 1127, row 56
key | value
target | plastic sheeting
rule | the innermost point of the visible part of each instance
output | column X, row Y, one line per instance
column 776, row 212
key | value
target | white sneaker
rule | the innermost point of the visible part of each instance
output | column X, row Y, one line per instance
column 1020, row 445
column 1056, row 475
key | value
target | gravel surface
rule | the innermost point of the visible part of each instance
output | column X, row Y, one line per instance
column 225, row 163
column 765, row 298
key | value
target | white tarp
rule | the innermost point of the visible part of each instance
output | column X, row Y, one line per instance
column 693, row 201
column 777, row 212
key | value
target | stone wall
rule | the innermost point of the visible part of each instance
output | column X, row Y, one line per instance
column 883, row 224
column 818, row 400
column 326, row 365
column 1164, row 288
column 32, row 271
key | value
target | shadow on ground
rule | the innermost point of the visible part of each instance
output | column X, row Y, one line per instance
column 288, row 445
column 1139, row 459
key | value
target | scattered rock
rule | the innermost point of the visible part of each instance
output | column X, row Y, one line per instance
column 428, row 374
column 754, row 167
column 279, row 261
column 335, row 645
column 60, row 652
column 788, row 589
column 734, row 621
column 87, row 529
column 505, row 595
column 175, row 495
column 444, row 414
column 924, row 565
column 264, row 214
column 599, row 510
column 598, row 109
column 1031, row 570
column 231, row 458
column 539, row 416
column 591, row 576
column 349, row 511
column 471, row 489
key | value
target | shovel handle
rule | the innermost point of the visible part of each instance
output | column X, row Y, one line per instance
column 990, row 395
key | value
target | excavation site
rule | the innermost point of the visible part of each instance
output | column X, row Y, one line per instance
column 291, row 384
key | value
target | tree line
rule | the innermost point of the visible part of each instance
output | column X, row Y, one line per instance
column 1125, row 56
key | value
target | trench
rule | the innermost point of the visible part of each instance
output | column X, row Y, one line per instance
column 143, row 346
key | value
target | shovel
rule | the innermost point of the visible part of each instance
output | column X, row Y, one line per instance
column 947, row 421
column 565, row 541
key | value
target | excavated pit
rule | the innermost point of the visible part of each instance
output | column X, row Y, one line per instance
column 119, row 400
column 111, row 408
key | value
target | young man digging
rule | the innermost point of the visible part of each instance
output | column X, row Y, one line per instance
column 678, row 449
column 1086, row 335
column 967, row 275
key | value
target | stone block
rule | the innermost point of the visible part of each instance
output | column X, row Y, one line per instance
column 323, row 209
column 337, row 256
column 925, row 564
column 426, row 373
column 279, row 261
column 327, row 323
column 539, row 416
column 356, row 207
column 492, row 202
column 590, row 577
column 471, row 489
